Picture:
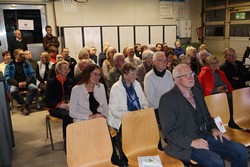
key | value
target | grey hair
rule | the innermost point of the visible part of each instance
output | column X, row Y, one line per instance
column 156, row 54
column 176, row 70
column 146, row 54
column 117, row 55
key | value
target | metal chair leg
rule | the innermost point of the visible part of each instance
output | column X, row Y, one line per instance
column 48, row 129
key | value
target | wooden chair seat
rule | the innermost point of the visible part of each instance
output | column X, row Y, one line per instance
column 140, row 137
column 218, row 106
column 241, row 107
column 89, row 144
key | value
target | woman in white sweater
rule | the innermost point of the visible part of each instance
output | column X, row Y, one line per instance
column 88, row 98
column 125, row 95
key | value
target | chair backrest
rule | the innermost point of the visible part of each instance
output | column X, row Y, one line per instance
column 217, row 105
column 140, row 134
column 241, row 103
column 88, row 143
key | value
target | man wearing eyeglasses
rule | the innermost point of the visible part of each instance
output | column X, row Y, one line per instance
column 20, row 75
column 189, row 129
column 234, row 69
column 157, row 81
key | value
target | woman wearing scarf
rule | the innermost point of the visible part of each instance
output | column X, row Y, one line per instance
column 125, row 95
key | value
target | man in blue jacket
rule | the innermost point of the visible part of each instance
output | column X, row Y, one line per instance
column 19, row 75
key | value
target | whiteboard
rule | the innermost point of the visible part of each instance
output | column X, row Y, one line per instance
column 142, row 35
column 126, row 35
column 110, row 35
column 92, row 37
column 170, row 35
column 73, row 40
column 156, row 34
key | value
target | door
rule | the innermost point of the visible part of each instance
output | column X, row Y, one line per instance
column 10, row 17
column 239, row 29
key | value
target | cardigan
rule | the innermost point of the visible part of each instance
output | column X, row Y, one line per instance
column 79, row 102
column 207, row 82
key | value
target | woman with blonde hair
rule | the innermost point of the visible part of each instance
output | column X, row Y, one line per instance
column 108, row 63
column 42, row 72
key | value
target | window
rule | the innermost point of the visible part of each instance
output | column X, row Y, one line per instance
column 215, row 30
column 215, row 15
column 240, row 30
column 213, row 3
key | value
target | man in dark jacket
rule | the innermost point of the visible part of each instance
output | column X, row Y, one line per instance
column 234, row 69
column 190, row 130
column 16, row 43
column 19, row 75
column 49, row 39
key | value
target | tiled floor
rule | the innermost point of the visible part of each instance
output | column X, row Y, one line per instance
column 32, row 149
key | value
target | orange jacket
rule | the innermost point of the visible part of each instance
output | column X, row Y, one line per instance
column 206, row 79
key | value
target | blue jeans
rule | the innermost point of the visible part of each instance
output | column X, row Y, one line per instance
column 14, row 91
column 236, row 153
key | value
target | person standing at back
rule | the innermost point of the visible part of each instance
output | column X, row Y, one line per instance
column 49, row 39
column 16, row 43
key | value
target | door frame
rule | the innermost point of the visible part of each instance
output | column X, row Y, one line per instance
column 3, row 37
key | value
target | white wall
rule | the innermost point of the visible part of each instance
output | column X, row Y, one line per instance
column 116, row 12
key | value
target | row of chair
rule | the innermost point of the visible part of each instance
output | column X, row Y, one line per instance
column 89, row 150
column 218, row 106
column 89, row 142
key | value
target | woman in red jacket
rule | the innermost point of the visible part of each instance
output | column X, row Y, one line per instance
column 213, row 80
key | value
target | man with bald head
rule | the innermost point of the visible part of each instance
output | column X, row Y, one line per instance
column 16, row 43
column 189, row 129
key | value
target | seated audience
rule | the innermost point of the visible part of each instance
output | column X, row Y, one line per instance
column 234, row 69
column 187, row 60
column 202, row 56
column 171, row 62
column 57, row 95
column 189, row 129
column 83, row 54
column 53, row 52
column 145, row 66
column 125, row 95
column 28, row 57
column 115, row 72
column 92, row 53
column 158, row 47
column 178, row 50
column 213, row 80
column 82, row 65
column 20, row 76
column 71, row 60
column 102, row 55
column 6, row 59
column 131, row 58
column 157, row 81
column 137, row 49
column 42, row 72
column 195, row 64
column 88, row 98
column 108, row 64
column 52, row 71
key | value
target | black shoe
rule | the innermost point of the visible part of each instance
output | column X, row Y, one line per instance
column 233, row 125
column 26, row 109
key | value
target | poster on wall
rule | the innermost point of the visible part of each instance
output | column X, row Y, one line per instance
column 166, row 9
column 25, row 24
column 69, row 5
column 178, row 8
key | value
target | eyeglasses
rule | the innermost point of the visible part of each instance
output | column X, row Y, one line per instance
column 96, row 74
column 186, row 75
column 215, row 63
column 162, row 60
